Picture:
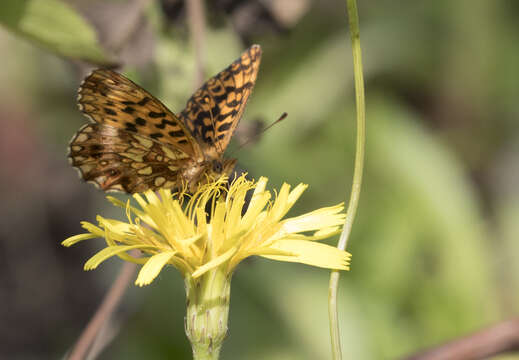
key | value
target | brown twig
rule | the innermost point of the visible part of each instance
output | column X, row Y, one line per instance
column 127, row 25
column 195, row 14
column 104, row 312
column 497, row 339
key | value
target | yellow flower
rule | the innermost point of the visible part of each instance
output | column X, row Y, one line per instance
column 206, row 235
column 175, row 229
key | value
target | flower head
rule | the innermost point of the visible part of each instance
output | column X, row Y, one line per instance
column 216, row 228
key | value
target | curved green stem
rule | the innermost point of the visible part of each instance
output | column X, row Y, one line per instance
column 357, row 175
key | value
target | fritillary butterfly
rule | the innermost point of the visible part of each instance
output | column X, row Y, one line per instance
column 134, row 143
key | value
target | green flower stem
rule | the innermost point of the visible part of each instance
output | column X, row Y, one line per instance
column 207, row 312
column 357, row 175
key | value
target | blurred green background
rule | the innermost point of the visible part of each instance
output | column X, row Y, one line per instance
column 435, row 242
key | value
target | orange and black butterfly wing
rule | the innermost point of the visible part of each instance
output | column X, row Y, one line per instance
column 107, row 97
column 119, row 160
column 214, row 110
column 135, row 142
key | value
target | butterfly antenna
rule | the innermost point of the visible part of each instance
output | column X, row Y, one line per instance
column 254, row 137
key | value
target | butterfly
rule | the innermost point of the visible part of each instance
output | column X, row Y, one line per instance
column 135, row 143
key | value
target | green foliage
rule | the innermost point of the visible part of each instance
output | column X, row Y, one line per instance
column 55, row 25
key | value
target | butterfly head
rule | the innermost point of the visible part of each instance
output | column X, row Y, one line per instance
column 221, row 167
column 207, row 171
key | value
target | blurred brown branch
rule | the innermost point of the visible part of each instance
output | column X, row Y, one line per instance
column 195, row 15
column 104, row 312
column 123, row 30
column 497, row 339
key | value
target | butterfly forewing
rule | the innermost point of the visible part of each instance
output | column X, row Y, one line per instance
column 109, row 98
column 213, row 112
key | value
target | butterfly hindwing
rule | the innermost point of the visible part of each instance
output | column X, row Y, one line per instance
column 214, row 110
column 115, row 159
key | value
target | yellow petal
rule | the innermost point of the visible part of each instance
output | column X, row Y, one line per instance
column 216, row 236
column 214, row 263
column 201, row 220
column 230, row 241
column 295, row 194
column 256, row 206
column 318, row 235
column 325, row 233
column 108, row 252
column 280, row 204
column 315, row 220
column 140, row 200
column 241, row 255
column 152, row 268
column 124, row 205
column 183, row 224
column 153, row 199
column 115, row 226
column 92, row 228
column 234, row 205
column 312, row 253
column 268, row 251
column 261, row 185
column 194, row 239
column 77, row 238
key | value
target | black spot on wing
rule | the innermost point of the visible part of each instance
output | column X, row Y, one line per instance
column 125, row 182
column 130, row 127
column 109, row 111
column 219, row 98
column 178, row 133
column 224, row 127
column 144, row 101
column 231, row 113
column 215, row 110
column 155, row 115
column 156, row 135
column 128, row 110
column 201, row 116
column 163, row 124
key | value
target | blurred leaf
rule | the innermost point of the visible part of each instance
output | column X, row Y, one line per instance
column 54, row 25
column 302, row 88
column 422, row 260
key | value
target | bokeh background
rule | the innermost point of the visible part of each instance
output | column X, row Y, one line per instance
column 435, row 250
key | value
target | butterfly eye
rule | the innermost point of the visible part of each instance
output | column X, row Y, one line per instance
column 217, row 166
